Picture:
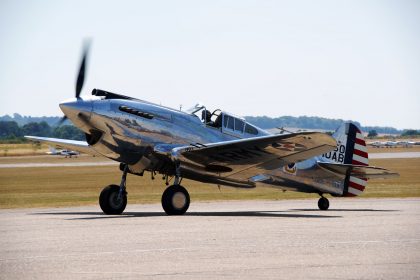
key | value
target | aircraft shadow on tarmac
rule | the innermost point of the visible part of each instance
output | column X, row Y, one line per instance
column 272, row 214
column 351, row 210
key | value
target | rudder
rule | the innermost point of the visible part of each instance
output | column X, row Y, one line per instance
column 351, row 149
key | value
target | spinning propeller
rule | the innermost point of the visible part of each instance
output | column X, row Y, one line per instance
column 80, row 76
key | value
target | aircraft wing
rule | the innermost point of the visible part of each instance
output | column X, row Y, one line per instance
column 74, row 145
column 244, row 158
column 360, row 171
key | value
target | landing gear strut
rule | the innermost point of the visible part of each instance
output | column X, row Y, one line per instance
column 113, row 198
column 175, row 199
column 323, row 203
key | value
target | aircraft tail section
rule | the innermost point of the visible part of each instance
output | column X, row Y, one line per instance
column 351, row 150
column 351, row 146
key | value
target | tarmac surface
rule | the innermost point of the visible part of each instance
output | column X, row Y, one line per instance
column 395, row 155
column 291, row 239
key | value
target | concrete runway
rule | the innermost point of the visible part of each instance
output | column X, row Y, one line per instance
column 356, row 239
column 394, row 155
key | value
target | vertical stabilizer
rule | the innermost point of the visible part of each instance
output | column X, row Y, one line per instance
column 351, row 149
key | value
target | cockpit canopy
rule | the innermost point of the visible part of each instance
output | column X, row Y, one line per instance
column 228, row 123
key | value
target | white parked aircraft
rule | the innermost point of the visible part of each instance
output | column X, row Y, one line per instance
column 391, row 144
column 66, row 153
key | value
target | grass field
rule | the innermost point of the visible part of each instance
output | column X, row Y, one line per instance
column 28, row 149
column 72, row 186
column 52, row 159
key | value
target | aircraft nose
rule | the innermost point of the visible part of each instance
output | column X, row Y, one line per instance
column 77, row 110
column 72, row 107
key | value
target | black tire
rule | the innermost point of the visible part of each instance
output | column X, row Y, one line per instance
column 175, row 200
column 109, row 202
column 323, row 203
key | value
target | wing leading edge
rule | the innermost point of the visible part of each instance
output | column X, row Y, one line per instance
column 74, row 145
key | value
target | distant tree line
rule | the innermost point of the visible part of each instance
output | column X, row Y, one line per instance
column 313, row 123
column 406, row 133
column 22, row 120
column 11, row 132
column 410, row 132
column 47, row 126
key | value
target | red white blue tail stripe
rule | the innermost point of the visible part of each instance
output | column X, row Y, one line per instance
column 360, row 154
column 355, row 185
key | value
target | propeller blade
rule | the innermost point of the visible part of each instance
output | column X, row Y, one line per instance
column 81, row 75
column 63, row 119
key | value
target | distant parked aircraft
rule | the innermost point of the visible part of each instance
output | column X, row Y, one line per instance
column 406, row 143
column 391, row 144
column 66, row 153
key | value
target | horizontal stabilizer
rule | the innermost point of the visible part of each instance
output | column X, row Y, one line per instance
column 360, row 171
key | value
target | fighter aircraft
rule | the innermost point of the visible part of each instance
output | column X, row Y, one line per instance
column 219, row 148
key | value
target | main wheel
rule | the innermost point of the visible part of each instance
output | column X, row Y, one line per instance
column 323, row 203
column 109, row 201
column 175, row 200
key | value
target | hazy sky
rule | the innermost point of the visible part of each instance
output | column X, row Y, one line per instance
column 356, row 60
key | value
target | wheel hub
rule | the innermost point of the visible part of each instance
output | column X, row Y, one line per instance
column 115, row 201
column 179, row 200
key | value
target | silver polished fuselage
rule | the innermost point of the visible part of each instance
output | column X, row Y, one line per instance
column 129, row 131
column 126, row 137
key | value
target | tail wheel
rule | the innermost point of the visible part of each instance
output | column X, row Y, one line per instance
column 110, row 201
column 323, row 203
column 175, row 200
